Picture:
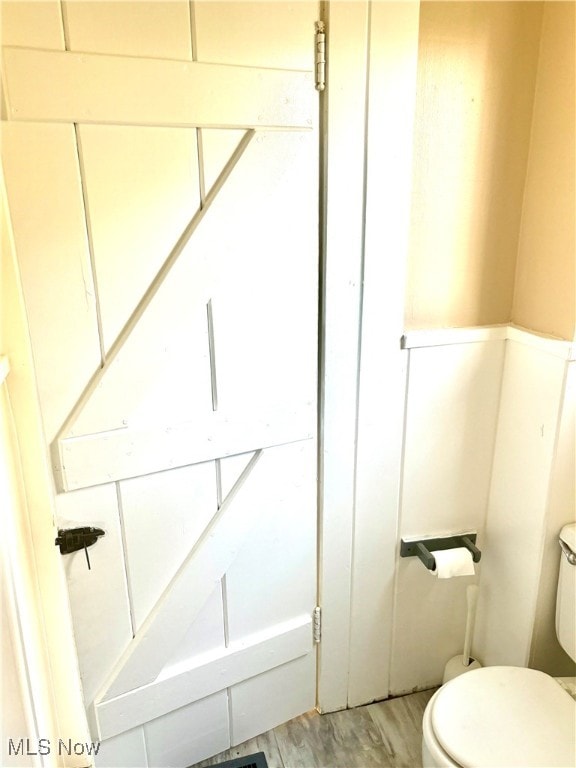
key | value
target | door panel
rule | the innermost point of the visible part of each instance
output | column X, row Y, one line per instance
column 40, row 164
column 259, row 254
column 102, row 631
column 167, row 241
column 254, row 655
column 163, row 516
column 282, row 692
column 25, row 24
column 129, row 28
column 268, row 581
column 259, row 490
column 278, row 37
column 206, row 635
column 217, row 148
column 127, row 750
column 171, row 739
column 141, row 187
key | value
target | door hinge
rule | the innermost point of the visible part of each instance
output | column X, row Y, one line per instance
column 317, row 624
column 320, row 55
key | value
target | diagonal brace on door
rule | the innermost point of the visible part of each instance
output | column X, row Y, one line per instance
column 152, row 290
column 206, row 563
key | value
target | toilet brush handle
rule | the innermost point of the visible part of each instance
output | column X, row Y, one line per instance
column 471, row 599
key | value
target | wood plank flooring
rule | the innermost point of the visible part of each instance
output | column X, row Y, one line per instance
column 387, row 734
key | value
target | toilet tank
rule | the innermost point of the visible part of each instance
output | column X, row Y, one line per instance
column 566, row 599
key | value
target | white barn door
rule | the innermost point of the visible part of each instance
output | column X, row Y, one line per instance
column 161, row 167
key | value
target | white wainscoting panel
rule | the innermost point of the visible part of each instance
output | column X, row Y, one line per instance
column 513, row 544
column 546, row 652
column 452, row 408
column 429, row 626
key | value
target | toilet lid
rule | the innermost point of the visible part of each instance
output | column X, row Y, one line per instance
column 508, row 716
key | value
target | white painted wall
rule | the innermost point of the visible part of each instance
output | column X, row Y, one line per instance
column 529, row 428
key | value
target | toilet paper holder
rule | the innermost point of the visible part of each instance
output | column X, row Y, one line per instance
column 421, row 547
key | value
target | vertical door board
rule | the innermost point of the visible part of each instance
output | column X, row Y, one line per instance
column 151, row 176
column 163, row 516
column 150, row 28
column 40, row 166
column 103, row 630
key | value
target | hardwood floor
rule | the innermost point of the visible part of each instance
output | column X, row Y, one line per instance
column 387, row 734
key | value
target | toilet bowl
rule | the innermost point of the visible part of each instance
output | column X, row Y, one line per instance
column 500, row 716
column 503, row 717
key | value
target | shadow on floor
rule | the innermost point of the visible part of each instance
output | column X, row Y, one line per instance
column 386, row 734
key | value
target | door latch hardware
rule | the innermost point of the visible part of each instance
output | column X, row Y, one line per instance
column 73, row 539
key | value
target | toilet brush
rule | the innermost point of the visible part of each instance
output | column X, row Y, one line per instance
column 457, row 665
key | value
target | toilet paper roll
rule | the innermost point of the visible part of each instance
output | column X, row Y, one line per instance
column 453, row 562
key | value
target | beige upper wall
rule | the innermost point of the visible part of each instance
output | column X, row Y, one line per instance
column 476, row 76
column 545, row 295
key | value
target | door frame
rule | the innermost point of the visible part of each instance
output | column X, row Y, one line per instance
column 368, row 117
column 44, row 637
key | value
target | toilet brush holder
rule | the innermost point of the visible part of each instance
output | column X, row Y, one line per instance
column 464, row 662
column 455, row 666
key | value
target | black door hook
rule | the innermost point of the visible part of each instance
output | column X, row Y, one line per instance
column 72, row 539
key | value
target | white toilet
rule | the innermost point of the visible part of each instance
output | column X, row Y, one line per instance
column 509, row 716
